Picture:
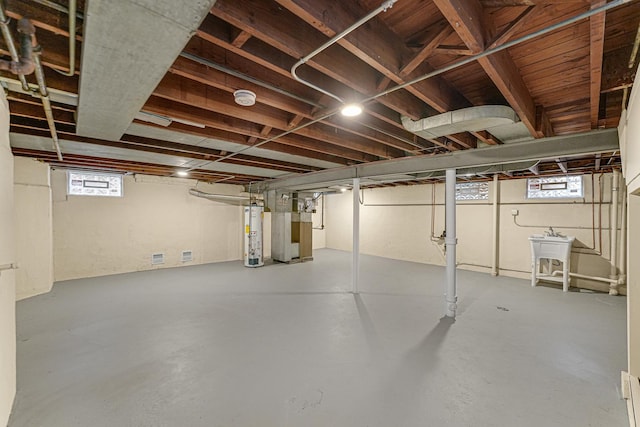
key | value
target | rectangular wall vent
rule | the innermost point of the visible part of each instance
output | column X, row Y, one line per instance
column 187, row 256
column 157, row 258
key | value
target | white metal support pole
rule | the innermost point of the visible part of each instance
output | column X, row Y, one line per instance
column 355, row 265
column 450, row 240
column 496, row 225
column 613, row 232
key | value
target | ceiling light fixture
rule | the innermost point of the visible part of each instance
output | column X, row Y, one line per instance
column 351, row 110
column 182, row 173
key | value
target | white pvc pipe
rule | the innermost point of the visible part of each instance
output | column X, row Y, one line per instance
column 613, row 232
column 618, row 281
column 496, row 225
column 450, row 242
column 623, row 235
column 355, row 264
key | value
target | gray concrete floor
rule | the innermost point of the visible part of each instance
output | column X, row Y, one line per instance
column 286, row 345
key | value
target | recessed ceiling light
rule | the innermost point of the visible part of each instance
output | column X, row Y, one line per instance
column 351, row 110
column 343, row 189
column 182, row 173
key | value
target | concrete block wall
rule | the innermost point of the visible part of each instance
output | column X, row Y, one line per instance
column 396, row 223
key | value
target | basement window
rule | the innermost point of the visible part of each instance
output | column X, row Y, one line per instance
column 555, row 187
column 472, row 191
column 94, row 184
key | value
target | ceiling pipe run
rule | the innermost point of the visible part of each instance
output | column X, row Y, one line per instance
column 434, row 73
column 72, row 12
column 46, row 102
column 382, row 8
column 507, row 45
column 26, row 63
column 15, row 58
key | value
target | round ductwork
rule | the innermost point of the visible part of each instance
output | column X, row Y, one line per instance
column 243, row 97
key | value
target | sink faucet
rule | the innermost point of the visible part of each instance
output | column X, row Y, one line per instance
column 551, row 233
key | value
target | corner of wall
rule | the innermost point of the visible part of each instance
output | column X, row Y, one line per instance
column 33, row 227
column 7, row 276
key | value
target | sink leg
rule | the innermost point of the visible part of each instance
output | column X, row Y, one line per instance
column 534, row 270
column 565, row 277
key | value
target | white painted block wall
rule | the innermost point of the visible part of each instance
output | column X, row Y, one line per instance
column 7, row 277
column 96, row 236
column 396, row 223
column 33, row 227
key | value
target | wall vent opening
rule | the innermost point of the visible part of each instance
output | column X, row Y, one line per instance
column 157, row 258
column 187, row 256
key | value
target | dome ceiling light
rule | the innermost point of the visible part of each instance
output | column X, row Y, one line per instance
column 351, row 110
column 244, row 97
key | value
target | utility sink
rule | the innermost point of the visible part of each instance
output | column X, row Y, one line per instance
column 551, row 248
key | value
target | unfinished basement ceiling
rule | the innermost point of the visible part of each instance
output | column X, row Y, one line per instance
column 572, row 80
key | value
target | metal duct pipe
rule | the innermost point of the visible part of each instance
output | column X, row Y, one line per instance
column 382, row 8
column 450, row 240
column 27, row 32
column 46, row 103
column 24, row 29
column 227, row 198
column 24, row 65
column 613, row 232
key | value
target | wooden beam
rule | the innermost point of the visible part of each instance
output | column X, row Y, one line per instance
column 543, row 123
column 377, row 46
column 218, row 79
column 263, row 133
column 306, row 140
column 295, row 121
column 486, row 137
column 197, row 95
column 597, row 27
column 427, row 49
column 508, row 31
column 241, row 38
column 467, row 18
column 453, row 50
column 239, row 138
column 562, row 164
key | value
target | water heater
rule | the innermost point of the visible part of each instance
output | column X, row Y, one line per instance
column 253, row 236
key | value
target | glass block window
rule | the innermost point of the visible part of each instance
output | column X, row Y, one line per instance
column 94, row 184
column 554, row 187
column 472, row 191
